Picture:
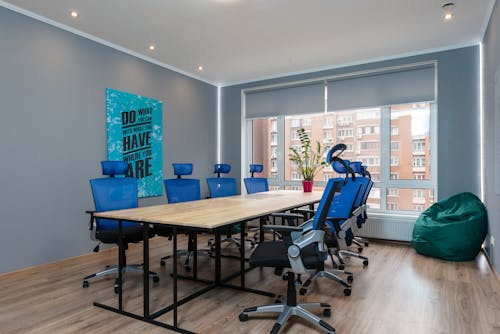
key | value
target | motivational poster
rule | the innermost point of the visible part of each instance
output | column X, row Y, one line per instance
column 134, row 125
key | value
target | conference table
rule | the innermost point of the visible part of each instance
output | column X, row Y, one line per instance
column 213, row 216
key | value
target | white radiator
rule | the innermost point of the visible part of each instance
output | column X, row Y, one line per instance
column 398, row 228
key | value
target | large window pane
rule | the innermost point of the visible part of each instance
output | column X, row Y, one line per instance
column 265, row 146
column 410, row 142
column 405, row 199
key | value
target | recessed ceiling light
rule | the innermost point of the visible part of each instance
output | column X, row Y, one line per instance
column 200, row 68
column 73, row 13
column 448, row 10
column 151, row 47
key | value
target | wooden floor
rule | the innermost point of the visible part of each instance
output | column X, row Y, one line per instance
column 400, row 292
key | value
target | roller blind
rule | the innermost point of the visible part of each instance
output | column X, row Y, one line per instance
column 383, row 88
column 295, row 100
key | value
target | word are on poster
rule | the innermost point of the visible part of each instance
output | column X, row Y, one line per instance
column 135, row 136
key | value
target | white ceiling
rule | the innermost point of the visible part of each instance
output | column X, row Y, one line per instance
column 245, row 40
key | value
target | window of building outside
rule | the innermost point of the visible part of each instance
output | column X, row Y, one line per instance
column 402, row 174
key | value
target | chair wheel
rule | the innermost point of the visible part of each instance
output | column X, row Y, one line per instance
column 187, row 268
column 209, row 243
column 302, row 291
column 350, row 279
column 366, row 244
column 365, row 263
column 162, row 263
column 243, row 317
column 116, row 288
column 156, row 279
column 360, row 249
column 327, row 312
column 341, row 267
column 85, row 284
column 347, row 292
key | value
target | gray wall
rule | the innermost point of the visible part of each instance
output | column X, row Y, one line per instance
column 53, row 133
column 491, row 66
column 458, row 116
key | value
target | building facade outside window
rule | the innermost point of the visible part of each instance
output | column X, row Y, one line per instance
column 394, row 142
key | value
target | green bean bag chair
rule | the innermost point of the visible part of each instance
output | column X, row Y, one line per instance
column 452, row 229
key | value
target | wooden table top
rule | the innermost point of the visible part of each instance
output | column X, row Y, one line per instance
column 216, row 212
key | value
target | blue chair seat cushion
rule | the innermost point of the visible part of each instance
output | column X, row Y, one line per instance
column 274, row 254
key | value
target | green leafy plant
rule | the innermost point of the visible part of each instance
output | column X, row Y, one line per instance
column 308, row 159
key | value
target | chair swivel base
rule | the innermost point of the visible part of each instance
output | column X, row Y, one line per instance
column 291, row 307
column 332, row 276
column 113, row 270
column 341, row 253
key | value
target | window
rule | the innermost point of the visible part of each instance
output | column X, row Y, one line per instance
column 394, row 142
column 306, row 122
column 393, row 192
column 418, row 162
column 344, row 133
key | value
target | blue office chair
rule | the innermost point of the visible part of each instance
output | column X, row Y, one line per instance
column 367, row 184
column 115, row 193
column 223, row 187
column 181, row 190
column 302, row 255
column 256, row 184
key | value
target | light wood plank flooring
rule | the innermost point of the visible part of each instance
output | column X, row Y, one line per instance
column 400, row 292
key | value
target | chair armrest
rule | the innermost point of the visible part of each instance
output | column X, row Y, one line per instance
column 294, row 250
column 91, row 222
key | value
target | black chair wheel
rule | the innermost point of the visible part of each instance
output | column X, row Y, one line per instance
column 117, row 289
column 350, row 279
column 360, row 249
column 327, row 312
column 341, row 267
column 347, row 292
column 284, row 277
column 302, row 291
column 187, row 268
column 243, row 317
column 277, row 301
column 366, row 243
column 156, row 279
column 365, row 263
column 162, row 263
column 85, row 284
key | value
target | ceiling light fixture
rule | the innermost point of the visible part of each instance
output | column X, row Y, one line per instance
column 448, row 10
column 151, row 47
column 200, row 68
column 73, row 13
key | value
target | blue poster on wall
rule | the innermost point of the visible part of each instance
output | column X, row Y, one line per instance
column 135, row 135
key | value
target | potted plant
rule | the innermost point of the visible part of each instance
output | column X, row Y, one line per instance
column 308, row 160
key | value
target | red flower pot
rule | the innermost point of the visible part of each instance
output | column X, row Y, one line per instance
column 308, row 186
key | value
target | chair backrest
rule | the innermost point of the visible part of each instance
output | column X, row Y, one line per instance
column 113, row 193
column 358, row 169
column 179, row 189
column 332, row 188
column 256, row 184
column 221, row 186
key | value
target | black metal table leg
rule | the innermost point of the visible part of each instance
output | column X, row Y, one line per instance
column 121, row 251
column 242, row 254
column 145, row 267
column 174, row 245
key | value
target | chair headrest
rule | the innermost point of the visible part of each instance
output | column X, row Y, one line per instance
column 183, row 169
column 222, row 168
column 256, row 168
column 113, row 168
column 357, row 167
column 339, row 167
column 335, row 151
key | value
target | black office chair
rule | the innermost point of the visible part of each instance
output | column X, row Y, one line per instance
column 115, row 193
column 305, row 254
